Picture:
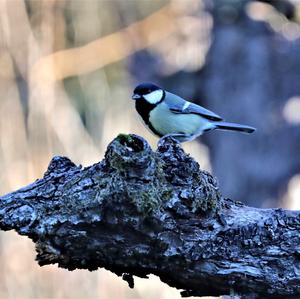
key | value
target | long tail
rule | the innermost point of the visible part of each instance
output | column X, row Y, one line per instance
column 222, row 125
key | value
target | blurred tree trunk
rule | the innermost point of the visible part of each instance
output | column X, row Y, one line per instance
column 250, row 73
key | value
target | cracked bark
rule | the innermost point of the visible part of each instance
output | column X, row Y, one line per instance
column 140, row 211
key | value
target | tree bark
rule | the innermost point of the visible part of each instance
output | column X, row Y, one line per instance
column 140, row 211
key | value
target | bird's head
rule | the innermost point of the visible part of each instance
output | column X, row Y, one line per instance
column 149, row 92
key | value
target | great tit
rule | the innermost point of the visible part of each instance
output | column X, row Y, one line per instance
column 167, row 114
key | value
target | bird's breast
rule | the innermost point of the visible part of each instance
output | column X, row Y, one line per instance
column 166, row 122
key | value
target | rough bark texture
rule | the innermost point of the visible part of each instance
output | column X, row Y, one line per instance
column 139, row 212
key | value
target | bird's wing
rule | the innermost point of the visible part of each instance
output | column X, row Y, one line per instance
column 179, row 105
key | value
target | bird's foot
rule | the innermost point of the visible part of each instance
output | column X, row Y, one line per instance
column 175, row 138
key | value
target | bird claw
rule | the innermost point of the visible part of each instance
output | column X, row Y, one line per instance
column 171, row 138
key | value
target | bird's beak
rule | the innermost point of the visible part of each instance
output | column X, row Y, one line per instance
column 135, row 96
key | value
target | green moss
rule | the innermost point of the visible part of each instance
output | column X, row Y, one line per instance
column 130, row 141
column 117, row 162
column 123, row 138
column 150, row 200
column 125, row 152
column 146, row 201
column 206, row 199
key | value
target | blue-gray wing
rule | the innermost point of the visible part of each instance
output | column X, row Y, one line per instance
column 179, row 105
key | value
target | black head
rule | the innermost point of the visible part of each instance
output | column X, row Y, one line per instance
column 149, row 92
column 145, row 88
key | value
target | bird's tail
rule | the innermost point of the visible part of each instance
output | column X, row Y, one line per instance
column 222, row 125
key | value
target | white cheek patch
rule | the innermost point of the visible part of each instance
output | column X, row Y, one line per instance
column 154, row 97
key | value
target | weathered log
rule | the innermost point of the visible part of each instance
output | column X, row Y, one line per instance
column 140, row 211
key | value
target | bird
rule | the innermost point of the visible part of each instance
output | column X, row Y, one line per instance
column 167, row 114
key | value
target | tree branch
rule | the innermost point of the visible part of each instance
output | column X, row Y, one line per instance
column 139, row 212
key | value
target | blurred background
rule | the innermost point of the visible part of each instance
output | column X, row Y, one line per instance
column 67, row 70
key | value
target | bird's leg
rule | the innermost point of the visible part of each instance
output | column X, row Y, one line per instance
column 173, row 136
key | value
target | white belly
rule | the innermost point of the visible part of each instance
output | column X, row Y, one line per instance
column 166, row 122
